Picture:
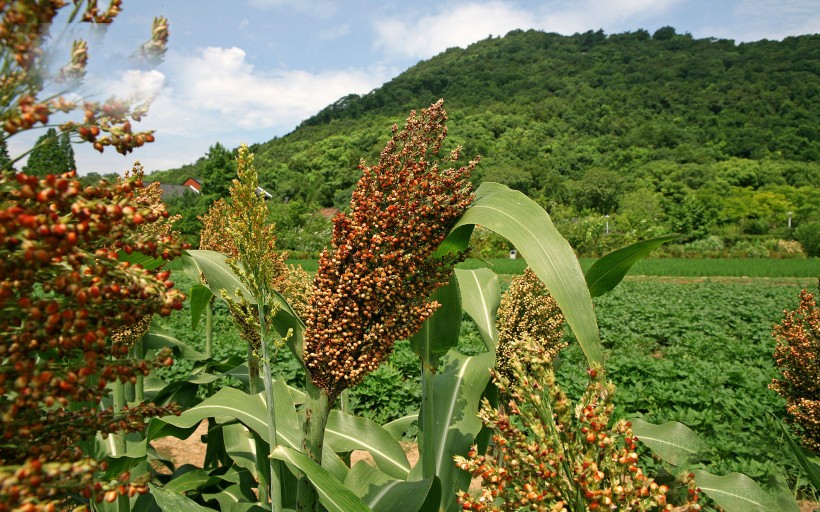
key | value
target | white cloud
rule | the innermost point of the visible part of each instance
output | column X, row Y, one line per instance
column 221, row 82
column 753, row 20
column 470, row 22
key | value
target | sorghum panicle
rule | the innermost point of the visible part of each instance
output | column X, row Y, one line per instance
column 372, row 285
column 797, row 355
column 553, row 456
column 63, row 291
column 528, row 311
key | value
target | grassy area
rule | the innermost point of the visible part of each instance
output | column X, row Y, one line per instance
column 673, row 267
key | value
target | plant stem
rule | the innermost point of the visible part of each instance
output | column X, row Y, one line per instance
column 427, row 422
column 209, row 329
column 275, row 465
column 139, row 390
column 317, row 409
column 119, row 445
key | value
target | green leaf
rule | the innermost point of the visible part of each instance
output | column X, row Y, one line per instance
column 384, row 494
column 809, row 466
column 200, row 297
column 138, row 258
column 218, row 274
column 439, row 333
column 229, row 404
column 452, row 398
column 480, row 297
column 609, row 270
column 736, row 492
column 333, row 494
column 672, row 441
column 520, row 220
column 345, row 433
column 170, row 501
column 397, row 427
column 240, row 446
column 190, row 481
column 158, row 337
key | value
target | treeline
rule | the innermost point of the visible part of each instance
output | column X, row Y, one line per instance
column 661, row 132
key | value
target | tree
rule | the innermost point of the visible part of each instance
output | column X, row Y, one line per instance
column 66, row 153
column 46, row 157
column 219, row 172
column 5, row 159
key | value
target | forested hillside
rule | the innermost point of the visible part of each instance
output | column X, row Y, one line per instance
column 661, row 132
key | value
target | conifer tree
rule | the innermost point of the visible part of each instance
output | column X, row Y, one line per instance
column 46, row 157
column 5, row 159
column 67, row 153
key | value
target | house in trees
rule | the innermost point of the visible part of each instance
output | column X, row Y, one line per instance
column 193, row 185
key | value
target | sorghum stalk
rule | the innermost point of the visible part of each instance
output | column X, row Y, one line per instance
column 251, row 247
column 373, row 284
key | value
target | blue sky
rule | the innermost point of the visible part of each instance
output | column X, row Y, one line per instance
column 250, row 70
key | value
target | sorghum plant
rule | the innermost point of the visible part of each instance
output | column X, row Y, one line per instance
column 63, row 291
column 555, row 456
column 797, row 355
column 23, row 31
column 373, row 284
column 527, row 311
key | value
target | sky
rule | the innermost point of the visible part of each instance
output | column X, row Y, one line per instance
column 247, row 71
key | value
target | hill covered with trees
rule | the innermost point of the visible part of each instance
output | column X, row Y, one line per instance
column 660, row 132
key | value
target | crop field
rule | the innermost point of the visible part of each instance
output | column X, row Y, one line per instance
column 686, row 267
column 684, row 350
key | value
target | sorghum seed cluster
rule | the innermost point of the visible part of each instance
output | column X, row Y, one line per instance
column 63, row 291
column 797, row 355
column 527, row 311
column 372, row 285
column 553, row 456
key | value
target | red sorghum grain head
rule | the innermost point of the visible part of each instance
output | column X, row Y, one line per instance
column 373, row 283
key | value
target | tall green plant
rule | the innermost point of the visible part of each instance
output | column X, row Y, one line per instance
column 372, row 285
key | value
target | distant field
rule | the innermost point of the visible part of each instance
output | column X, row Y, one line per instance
column 734, row 267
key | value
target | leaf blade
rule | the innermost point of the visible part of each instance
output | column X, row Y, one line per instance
column 605, row 274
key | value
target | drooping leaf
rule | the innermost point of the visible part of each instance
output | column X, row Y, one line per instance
column 439, row 333
column 345, row 433
column 520, row 220
column 451, row 402
column 333, row 494
column 143, row 260
column 170, row 501
column 672, row 441
column 200, row 297
column 240, row 446
column 384, row 494
column 193, row 480
column 737, row 492
column 804, row 460
column 480, row 297
column 397, row 427
column 218, row 274
column 158, row 337
column 230, row 404
column 609, row 270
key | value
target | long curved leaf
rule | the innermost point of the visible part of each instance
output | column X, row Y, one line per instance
column 453, row 423
column 672, row 441
column 169, row 501
column 384, row 494
column 737, row 492
column 200, row 297
column 480, row 297
column 333, row 494
column 609, row 270
column 157, row 337
column 345, row 433
column 520, row 220
column 809, row 466
column 397, row 427
column 218, row 274
column 439, row 333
